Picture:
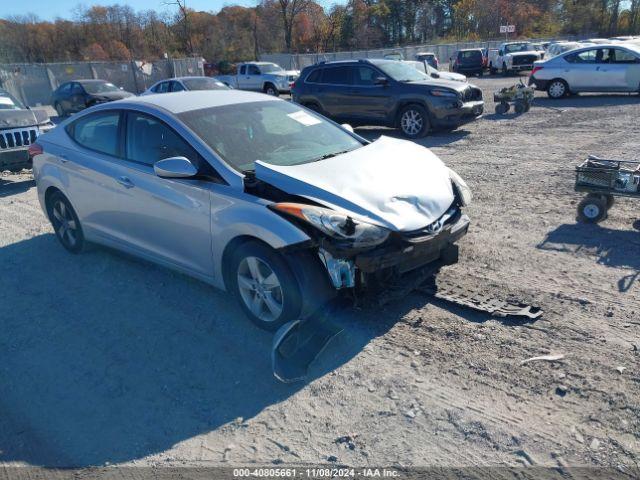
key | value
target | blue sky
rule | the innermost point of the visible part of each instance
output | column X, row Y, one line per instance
column 50, row 9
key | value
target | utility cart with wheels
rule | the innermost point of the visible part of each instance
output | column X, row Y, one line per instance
column 519, row 95
column 602, row 180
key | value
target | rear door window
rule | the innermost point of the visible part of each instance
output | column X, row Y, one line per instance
column 588, row 56
column 98, row 131
column 176, row 86
column 162, row 87
column 337, row 76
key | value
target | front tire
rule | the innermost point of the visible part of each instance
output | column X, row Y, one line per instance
column 264, row 286
column 59, row 110
column 505, row 70
column 270, row 89
column 65, row 223
column 557, row 89
column 413, row 121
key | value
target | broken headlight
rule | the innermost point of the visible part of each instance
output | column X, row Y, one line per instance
column 464, row 192
column 335, row 224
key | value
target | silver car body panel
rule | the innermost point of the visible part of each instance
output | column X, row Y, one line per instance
column 593, row 77
column 393, row 183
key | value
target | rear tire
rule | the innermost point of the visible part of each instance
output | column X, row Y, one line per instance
column 592, row 209
column 264, row 285
column 492, row 70
column 65, row 223
column 557, row 88
column 520, row 107
column 413, row 121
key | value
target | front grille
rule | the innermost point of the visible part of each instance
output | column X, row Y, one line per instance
column 17, row 138
column 524, row 59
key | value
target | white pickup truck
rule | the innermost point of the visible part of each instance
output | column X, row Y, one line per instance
column 261, row 77
column 513, row 57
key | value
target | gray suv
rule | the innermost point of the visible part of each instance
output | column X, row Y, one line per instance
column 387, row 93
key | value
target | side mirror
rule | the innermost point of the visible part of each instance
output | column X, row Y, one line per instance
column 435, row 75
column 175, row 167
column 347, row 127
column 501, row 53
column 384, row 81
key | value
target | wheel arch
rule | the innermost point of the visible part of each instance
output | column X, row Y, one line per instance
column 47, row 196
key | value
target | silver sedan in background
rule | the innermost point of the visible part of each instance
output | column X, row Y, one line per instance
column 181, row 84
column 250, row 193
column 597, row 68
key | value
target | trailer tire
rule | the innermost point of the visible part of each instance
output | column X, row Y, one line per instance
column 592, row 209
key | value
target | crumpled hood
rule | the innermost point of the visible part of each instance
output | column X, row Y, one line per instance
column 17, row 118
column 392, row 183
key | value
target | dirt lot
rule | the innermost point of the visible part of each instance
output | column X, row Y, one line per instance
column 107, row 359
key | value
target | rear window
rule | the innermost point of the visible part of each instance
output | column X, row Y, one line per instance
column 470, row 56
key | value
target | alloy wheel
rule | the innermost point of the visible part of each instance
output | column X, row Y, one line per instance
column 260, row 289
column 272, row 91
column 411, row 122
column 65, row 225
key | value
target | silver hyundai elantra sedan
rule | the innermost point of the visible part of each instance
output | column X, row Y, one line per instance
column 252, row 194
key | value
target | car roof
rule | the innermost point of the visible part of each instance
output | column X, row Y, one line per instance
column 179, row 102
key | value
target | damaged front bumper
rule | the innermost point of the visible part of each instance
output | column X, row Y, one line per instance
column 405, row 253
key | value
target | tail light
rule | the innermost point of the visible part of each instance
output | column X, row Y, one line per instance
column 34, row 149
column 535, row 69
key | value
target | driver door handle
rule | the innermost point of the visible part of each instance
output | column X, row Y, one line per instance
column 125, row 182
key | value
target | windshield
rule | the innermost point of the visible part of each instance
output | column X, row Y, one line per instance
column 270, row 68
column 401, row 72
column 9, row 102
column 203, row 83
column 518, row 47
column 100, row 87
column 275, row 132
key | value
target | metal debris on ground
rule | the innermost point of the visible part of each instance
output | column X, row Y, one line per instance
column 546, row 358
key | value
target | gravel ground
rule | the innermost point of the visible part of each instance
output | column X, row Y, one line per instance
column 105, row 359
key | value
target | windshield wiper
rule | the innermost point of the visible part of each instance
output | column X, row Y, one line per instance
column 330, row 155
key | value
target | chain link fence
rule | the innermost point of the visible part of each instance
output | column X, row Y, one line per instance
column 443, row 51
column 34, row 83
